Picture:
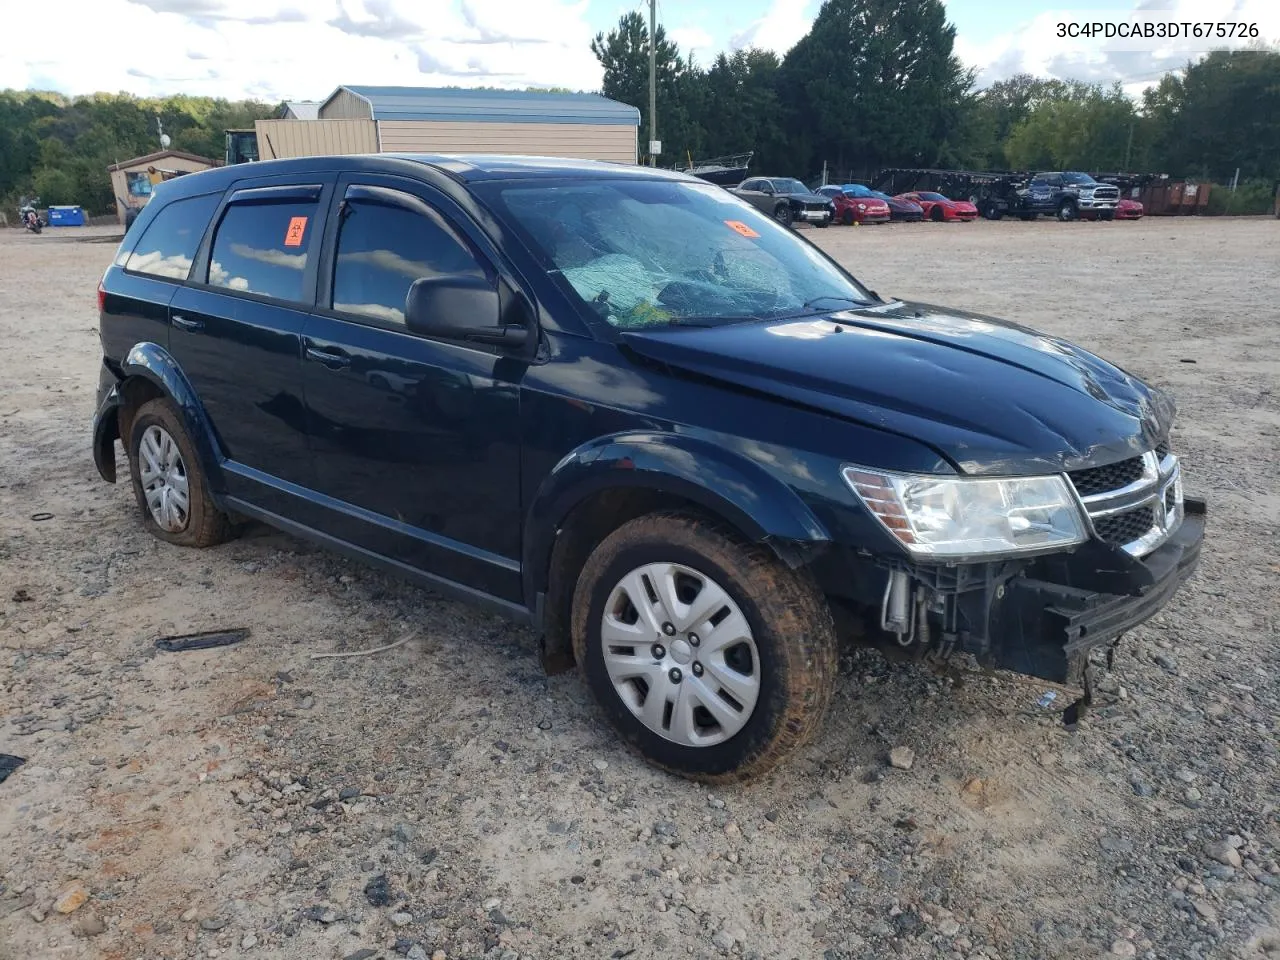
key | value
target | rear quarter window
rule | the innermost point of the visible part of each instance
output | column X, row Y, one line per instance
column 169, row 244
column 263, row 248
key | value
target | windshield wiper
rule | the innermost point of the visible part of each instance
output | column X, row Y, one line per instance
column 811, row 304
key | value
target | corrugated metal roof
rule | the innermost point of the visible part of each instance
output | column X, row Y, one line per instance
column 495, row 106
column 302, row 109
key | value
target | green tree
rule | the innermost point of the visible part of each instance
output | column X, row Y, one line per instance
column 1077, row 126
column 876, row 82
column 741, row 110
column 1223, row 112
column 1001, row 107
column 624, row 54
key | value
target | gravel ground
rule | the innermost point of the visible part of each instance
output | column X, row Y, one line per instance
column 446, row 799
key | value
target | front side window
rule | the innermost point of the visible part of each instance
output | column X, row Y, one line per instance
column 1078, row 179
column 169, row 244
column 262, row 248
column 383, row 249
column 639, row 253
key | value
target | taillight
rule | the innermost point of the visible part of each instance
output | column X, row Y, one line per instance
column 102, row 297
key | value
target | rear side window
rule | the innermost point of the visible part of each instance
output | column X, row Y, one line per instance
column 169, row 244
column 263, row 247
column 382, row 250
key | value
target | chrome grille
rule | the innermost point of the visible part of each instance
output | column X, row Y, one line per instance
column 1135, row 504
column 1111, row 477
column 1122, row 528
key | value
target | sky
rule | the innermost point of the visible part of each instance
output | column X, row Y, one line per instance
column 303, row 49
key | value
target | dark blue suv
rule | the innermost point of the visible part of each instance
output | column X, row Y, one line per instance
column 625, row 407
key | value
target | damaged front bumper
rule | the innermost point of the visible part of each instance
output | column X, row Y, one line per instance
column 1039, row 617
column 1054, row 613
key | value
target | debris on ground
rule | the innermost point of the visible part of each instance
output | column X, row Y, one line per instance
column 202, row 641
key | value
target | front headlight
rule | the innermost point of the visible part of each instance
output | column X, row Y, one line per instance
column 948, row 517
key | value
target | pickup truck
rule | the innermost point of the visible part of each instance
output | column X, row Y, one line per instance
column 787, row 200
column 1066, row 196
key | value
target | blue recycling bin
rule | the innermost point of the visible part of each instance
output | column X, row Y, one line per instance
column 66, row 216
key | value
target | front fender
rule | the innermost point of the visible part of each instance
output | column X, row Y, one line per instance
column 154, row 363
column 727, row 484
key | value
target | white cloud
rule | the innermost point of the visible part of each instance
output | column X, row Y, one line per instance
column 783, row 24
column 296, row 49
column 1034, row 46
column 693, row 39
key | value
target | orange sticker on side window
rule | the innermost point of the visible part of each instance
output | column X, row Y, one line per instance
column 737, row 226
column 297, row 227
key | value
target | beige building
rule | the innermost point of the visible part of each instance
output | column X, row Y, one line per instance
column 132, row 180
column 448, row 120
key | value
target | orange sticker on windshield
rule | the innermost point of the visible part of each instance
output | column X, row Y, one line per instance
column 297, row 227
column 737, row 226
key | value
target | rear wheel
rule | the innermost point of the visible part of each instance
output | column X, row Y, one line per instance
column 782, row 213
column 168, row 483
column 991, row 210
column 710, row 657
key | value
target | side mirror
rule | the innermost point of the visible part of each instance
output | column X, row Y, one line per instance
column 466, row 308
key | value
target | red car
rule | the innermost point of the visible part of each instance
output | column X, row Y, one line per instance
column 1126, row 209
column 854, row 204
column 939, row 208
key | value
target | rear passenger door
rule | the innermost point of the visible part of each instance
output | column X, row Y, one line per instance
column 159, row 262
column 415, row 441
column 237, row 334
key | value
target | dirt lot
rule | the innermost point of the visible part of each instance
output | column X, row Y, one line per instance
column 245, row 801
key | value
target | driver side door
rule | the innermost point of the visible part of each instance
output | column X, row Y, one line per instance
column 415, row 440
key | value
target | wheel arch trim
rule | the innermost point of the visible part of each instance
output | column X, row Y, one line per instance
column 723, row 482
column 153, row 363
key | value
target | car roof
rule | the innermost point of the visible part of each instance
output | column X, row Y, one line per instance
column 462, row 168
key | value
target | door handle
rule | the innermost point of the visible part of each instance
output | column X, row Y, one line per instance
column 333, row 360
column 186, row 323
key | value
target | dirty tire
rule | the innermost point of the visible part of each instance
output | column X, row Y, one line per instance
column 782, row 213
column 790, row 623
column 206, row 524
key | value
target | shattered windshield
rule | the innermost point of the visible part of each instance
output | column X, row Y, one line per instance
column 643, row 253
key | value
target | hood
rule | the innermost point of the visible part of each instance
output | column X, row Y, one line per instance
column 992, row 397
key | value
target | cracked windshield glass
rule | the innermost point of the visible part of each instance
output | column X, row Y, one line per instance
column 655, row 253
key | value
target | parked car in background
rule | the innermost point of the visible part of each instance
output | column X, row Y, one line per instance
column 787, row 200
column 1125, row 209
column 935, row 206
column 900, row 210
column 855, row 204
column 1078, row 194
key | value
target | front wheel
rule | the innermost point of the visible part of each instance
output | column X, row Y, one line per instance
column 782, row 213
column 710, row 657
column 1068, row 212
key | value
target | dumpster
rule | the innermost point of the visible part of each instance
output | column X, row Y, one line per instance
column 66, row 216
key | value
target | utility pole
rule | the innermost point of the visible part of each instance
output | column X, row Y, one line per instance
column 655, row 146
column 1128, row 148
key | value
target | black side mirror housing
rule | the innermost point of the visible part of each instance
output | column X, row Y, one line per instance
column 462, row 307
